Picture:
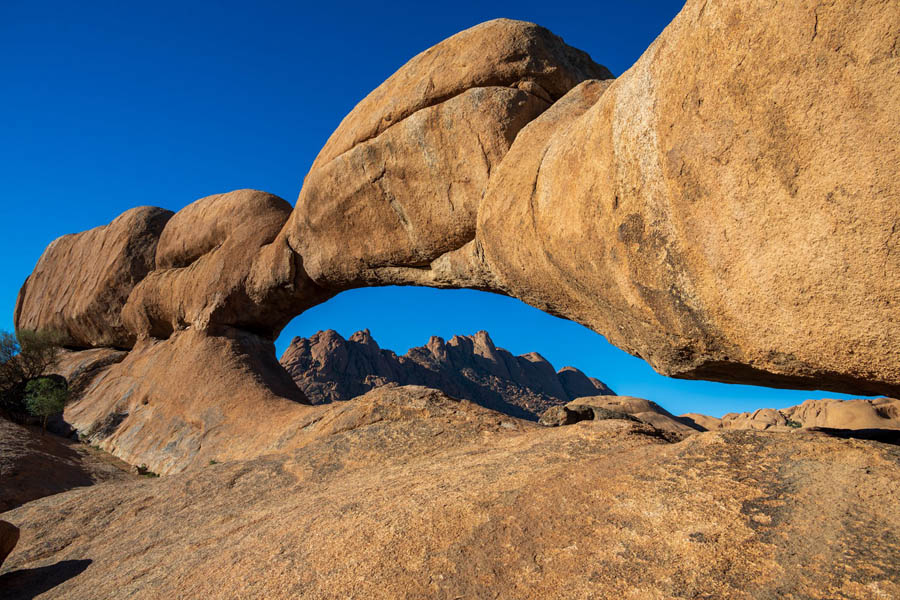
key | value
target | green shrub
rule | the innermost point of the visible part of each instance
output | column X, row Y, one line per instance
column 145, row 471
column 45, row 397
column 23, row 357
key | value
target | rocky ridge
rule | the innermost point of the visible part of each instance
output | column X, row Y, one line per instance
column 329, row 368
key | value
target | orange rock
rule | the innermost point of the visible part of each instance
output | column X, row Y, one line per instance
column 399, row 182
column 502, row 52
column 727, row 209
column 82, row 280
column 209, row 266
column 407, row 494
column 193, row 397
column 878, row 413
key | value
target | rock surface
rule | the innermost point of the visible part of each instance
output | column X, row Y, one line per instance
column 34, row 465
column 399, row 182
column 81, row 367
column 427, row 497
column 328, row 368
column 716, row 210
column 618, row 407
column 207, row 270
column 188, row 399
column 872, row 414
column 9, row 537
column 727, row 208
column 82, row 280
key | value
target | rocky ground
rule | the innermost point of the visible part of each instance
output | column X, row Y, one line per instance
column 34, row 465
column 417, row 495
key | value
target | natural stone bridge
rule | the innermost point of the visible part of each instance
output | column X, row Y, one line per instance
column 727, row 209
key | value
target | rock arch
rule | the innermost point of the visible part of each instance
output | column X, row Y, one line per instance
column 727, row 209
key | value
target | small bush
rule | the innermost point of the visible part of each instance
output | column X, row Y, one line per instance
column 794, row 424
column 45, row 397
column 145, row 471
column 23, row 358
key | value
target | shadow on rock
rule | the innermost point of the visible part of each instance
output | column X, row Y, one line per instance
column 26, row 584
column 885, row 436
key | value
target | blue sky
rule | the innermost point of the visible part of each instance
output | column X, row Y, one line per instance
column 111, row 105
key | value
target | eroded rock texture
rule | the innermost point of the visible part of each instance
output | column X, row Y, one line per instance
column 852, row 415
column 218, row 264
column 33, row 465
column 329, row 368
column 180, row 401
column 726, row 209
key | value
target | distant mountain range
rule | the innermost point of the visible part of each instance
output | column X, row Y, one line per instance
column 329, row 368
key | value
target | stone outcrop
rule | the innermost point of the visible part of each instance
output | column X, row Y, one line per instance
column 878, row 413
column 82, row 280
column 618, row 407
column 399, row 182
column 192, row 397
column 859, row 414
column 34, row 465
column 80, row 368
column 716, row 210
column 328, row 368
column 727, row 208
column 408, row 494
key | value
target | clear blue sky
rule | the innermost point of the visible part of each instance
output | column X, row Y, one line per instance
column 111, row 105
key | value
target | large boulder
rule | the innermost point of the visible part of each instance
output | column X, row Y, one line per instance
column 407, row 494
column 398, row 184
column 218, row 263
column 727, row 209
column 501, row 52
column 862, row 413
column 599, row 408
column 828, row 413
column 82, row 280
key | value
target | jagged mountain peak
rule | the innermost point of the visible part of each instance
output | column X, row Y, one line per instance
column 329, row 368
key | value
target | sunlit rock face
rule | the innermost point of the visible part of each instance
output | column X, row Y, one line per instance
column 218, row 264
column 399, row 183
column 82, row 280
column 726, row 209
